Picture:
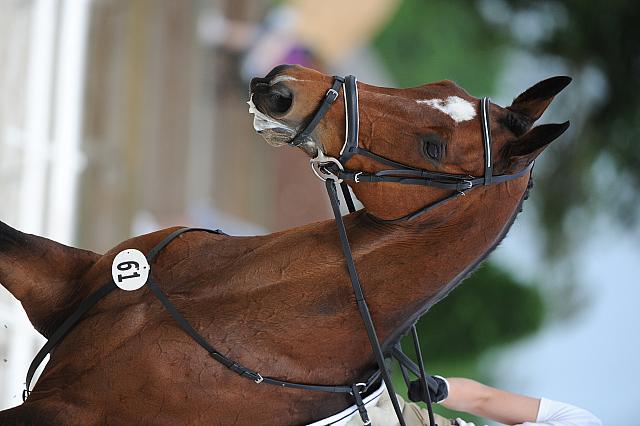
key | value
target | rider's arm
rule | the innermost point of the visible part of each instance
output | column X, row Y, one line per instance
column 484, row 401
column 513, row 409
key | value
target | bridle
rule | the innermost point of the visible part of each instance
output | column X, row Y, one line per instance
column 331, row 168
column 332, row 171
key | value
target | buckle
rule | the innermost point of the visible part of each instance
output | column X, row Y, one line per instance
column 355, row 178
column 333, row 93
column 362, row 387
column 260, row 379
column 318, row 166
column 465, row 185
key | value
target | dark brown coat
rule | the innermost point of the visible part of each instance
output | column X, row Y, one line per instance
column 280, row 304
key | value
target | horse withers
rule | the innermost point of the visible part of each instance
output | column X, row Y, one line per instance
column 280, row 304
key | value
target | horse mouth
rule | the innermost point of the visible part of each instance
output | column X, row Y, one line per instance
column 276, row 133
column 273, row 131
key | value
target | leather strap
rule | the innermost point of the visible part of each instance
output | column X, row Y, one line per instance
column 352, row 119
column 153, row 285
column 329, row 98
column 63, row 330
column 437, row 391
column 485, row 104
column 423, row 177
column 346, row 194
column 360, row 299
column 236, row 367
column 360, row 404
column 401, row 173
column 426, row 397
column 86, row 305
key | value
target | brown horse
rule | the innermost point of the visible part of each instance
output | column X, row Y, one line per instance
column 280, row 304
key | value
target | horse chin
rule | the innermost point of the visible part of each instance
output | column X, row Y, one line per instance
column 276, row 137
column 276, row 133
column 310, row 148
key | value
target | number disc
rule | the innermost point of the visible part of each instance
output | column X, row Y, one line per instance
column 130, row 269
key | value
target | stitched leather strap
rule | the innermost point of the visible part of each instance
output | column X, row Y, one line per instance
column 329, row 98
column 426, row 397
column 485, row 104
column 352, row 119
column 360, row 299
column 153, row 285
column 355, row 391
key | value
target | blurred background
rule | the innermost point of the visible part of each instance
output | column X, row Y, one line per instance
column 120, row 117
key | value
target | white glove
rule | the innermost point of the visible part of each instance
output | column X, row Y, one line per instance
column 461, row 422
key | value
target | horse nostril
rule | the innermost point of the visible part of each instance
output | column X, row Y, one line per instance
column 280, row 102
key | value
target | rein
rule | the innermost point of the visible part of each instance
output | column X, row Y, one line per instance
column 333, row 171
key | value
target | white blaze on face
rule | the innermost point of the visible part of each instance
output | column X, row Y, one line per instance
column 280, row 78
column 455, row 107
column 262, row 121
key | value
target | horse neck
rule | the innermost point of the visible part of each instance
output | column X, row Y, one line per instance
column 299, row 277
column 406, row 269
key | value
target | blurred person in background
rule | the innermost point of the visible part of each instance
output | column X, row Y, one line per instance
column 303, row 32
column 262, row 46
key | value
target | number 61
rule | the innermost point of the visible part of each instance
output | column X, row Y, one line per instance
column 125, row 266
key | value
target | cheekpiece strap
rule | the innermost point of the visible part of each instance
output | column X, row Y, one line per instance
column 485, row 105
column 352, row 119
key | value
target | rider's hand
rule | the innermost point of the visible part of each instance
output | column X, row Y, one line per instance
column 438, row 389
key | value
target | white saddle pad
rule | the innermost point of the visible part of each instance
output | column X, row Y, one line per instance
column 343, row 417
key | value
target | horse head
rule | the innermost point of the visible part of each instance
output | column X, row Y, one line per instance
column 435, row 127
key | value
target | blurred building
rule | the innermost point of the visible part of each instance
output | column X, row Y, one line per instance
column 120, row 117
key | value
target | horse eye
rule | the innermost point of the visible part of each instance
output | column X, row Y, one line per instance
column 433, row 148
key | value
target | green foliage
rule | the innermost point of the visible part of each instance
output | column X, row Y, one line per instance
column 606, row 40
column 433, row 40
column 440, row 39
column 437, row 40
column 490, row 309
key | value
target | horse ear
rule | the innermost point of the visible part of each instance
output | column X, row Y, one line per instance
column 519, row 153
column 534, row 101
